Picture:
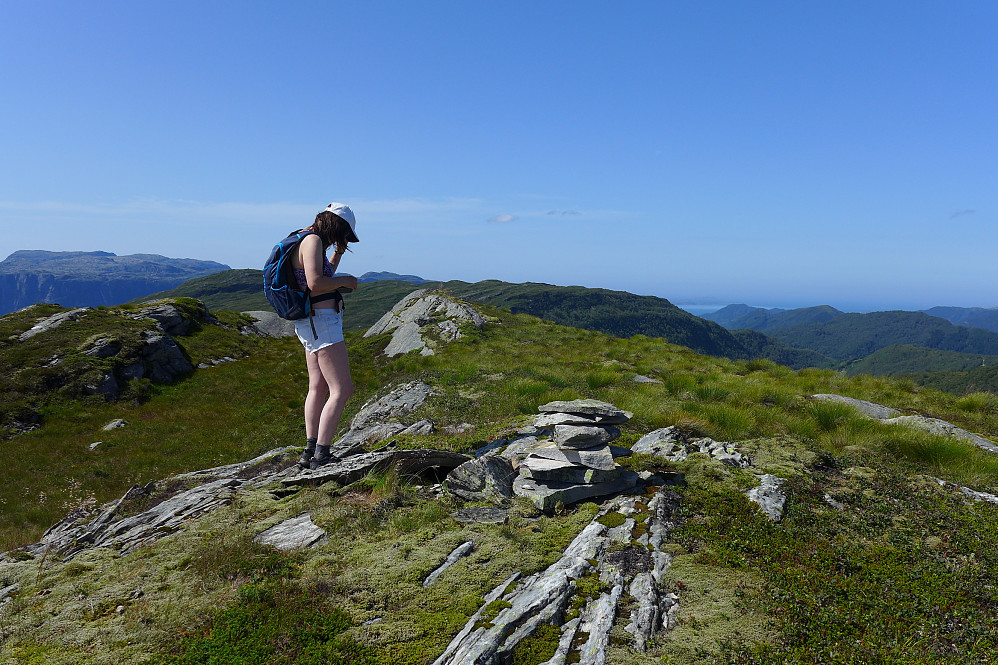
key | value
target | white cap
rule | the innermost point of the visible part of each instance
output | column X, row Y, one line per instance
column 344, row 212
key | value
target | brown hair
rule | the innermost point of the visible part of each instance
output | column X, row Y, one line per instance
column 332, row 230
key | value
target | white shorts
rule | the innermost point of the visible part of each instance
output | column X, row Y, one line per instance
column 328, row 326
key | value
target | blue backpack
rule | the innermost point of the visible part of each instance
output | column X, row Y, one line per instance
column 279, row 283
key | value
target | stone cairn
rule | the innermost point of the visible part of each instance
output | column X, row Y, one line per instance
column 577, row 462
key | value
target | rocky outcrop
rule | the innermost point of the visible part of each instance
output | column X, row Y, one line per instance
column 52, row 322
column 423, row 316
column 626, row 559
column 377, row 420
column 270, row 324
column 891, row 416
column 672, row 444
column 184, row 498
column 354, row 467
column 868, row 409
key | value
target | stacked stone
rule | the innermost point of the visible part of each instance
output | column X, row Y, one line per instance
column 577, row 462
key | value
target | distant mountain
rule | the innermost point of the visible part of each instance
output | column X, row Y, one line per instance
column 737, row 317
column 907, row 358
column 972, row 317
column 851, row 336
column 393, row 276
column 75, row 279
column 760, row 345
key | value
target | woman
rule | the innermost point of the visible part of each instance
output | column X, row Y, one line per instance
column 329, row 384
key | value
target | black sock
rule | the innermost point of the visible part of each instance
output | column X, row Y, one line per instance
column 310, row 443
column 321, row 452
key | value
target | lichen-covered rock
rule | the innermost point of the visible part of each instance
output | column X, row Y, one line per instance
column 400, row 401
column 410, row 318
column 51, row 322
column 769, row 496
column 671, row 444
column 407, row 462
column 166, row 361
column 868, row 409
column 488, row 478
column 295, row 533
column 943, row 428
column 270, row 324
column 459, row 552
column 592, row 458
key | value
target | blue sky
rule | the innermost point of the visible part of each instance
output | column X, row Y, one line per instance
column 774, row 153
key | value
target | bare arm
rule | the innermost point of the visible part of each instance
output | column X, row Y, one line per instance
column 312, row 259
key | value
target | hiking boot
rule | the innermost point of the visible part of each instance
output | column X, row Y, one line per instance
column 317, row 462
column 306, row 457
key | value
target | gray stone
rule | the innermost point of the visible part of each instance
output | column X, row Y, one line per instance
column 405, row 339
column 592, row 458
column 580, row 436
column 769, row 496
column 422, row 427
column 400, row 401
column 519, row 447
column 640, row 378
column 167, row 362
column 106, row 386
column 296, row 533
column 546, row 495
column 597, row 622
column 869, row 409
column 169, row 318
column 661, row 442
column 93, row 446
column 542, row 469
column 406, row 462
column 459, row 552
column 488, row 478
column 355, row 440
column 270, row 324
column 943, row 428
column 551, row 419
column 103, row 347
column 568, row 631
column 592, row 407
column 117, row 423
column 618, row 451
column 52, row 322
column 491, row 448
column 832, row 502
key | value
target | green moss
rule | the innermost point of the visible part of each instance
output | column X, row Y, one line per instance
column 490, row 613
column 538, row 647
column 612, row 520
column 590, row 586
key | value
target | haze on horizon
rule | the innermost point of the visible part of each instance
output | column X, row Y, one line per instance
column 776, row 154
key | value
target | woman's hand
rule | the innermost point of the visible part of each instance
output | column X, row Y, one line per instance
column 347, row 282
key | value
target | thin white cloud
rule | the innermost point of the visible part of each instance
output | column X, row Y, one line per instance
column 503, row 219
column 563, row 213
column 961, row 213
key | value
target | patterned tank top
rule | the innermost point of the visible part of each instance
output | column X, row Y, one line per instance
column 327, row 271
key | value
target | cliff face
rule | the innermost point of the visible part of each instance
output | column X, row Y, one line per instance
column 75, row 279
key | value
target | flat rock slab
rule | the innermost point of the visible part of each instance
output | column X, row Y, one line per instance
column 583, row 436
column 591, row 407
column 51, row 322
column 544, row 470
column 943, row 428
column 354, row 468
column 399, row 402
column 271, row 325
column 551, row 419
column 594, row 458
column 640, row 378
column 546, row 495
column 295, row 533
column 661, row 442
column 488, row 478
column 868, row 409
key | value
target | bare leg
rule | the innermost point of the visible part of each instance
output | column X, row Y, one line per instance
column 336, row 371
column 316, row 397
